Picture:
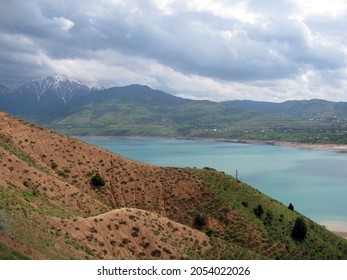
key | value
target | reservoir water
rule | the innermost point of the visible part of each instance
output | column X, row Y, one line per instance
column 314, row 181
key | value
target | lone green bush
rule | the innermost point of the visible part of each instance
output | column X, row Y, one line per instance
column 258, row 211
column 200, row 221
column 156, row 253
column 97, row 180
column 299, row 230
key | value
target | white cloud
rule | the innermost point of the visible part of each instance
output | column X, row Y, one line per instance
column 225, row 9
column 64, row 24
column 164, row 6
column 321, row 8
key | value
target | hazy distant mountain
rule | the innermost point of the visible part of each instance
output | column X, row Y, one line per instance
column 314, row 109
column 44, row 95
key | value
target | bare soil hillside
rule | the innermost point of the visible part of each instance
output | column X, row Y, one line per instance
column 52, row 173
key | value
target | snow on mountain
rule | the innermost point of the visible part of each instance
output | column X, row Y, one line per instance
column 62, row 87
column 94, row 86
column 44, row 95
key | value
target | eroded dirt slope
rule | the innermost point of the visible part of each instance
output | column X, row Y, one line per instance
column 46, row 177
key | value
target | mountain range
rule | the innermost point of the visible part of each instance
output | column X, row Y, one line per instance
column 61, row 198
column 314, row 109
column 71, row 107
column 43, row 96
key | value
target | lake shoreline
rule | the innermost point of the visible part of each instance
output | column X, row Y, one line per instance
column 323, row 147
column 341, row 234
column 339, row 227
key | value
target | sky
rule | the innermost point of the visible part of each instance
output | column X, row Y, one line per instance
column 271, row 50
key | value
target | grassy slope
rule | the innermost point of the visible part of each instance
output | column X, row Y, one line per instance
column 271, row 236
column 51, row 210
column 114, row 118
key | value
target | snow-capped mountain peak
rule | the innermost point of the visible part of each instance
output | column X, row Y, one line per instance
column 57, row 79
column 61, row 78
column 59, row 85
column 44, row 95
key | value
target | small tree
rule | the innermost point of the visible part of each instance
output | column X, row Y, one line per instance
column 258, row 211
column 97, row 180
column 291, row 207
column 299, row 230
column 200, row 221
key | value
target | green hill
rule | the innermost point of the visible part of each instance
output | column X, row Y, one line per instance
column 142, row 111
column 314, row 109
column 139, row 110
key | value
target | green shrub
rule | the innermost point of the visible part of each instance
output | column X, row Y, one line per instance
column 210, row 232
column 244, row 203
column 97, row 180
column 156, row 253
column 299, row 230
column 258, row 211
column 200, row 221
column 54, row 165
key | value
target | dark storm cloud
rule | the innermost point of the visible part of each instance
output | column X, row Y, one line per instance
column 208, row 42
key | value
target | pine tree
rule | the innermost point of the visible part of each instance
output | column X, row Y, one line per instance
column 291, row 207
column 258, row 211
column 299, row 230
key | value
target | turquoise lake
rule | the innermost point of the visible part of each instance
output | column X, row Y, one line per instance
column 315, row 182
